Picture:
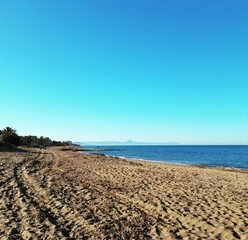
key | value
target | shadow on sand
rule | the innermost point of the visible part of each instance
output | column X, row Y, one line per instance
column 9, row 148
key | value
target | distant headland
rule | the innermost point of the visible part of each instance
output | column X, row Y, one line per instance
column 125, row 143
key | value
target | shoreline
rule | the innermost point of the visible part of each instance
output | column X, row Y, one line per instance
column 61, row 193
column 205, row 156
column 245, row 170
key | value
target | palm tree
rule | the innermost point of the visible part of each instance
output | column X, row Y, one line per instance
column 9, row 130
column 9, row 136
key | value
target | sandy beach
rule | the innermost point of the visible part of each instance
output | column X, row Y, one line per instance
column 55, row 194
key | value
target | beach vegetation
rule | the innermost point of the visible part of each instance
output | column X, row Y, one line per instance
column 9, row 137
column 26, row 140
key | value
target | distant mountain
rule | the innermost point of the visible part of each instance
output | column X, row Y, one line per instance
column 128, row 142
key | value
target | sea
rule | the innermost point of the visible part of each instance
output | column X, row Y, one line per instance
column 214, row 156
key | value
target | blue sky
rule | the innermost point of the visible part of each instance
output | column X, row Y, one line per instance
column 155, row 71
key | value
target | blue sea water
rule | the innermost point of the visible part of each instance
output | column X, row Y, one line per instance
column 214, row 156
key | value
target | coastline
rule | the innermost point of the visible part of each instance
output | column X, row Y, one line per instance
column 105, row 149
column 67, row 194
column 231, row 169
column 244, row 170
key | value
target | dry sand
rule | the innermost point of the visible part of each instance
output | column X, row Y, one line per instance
column 54, row 194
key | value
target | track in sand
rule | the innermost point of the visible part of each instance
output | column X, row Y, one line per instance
column 51, row 194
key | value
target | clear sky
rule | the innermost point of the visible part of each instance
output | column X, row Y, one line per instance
column 157, row 71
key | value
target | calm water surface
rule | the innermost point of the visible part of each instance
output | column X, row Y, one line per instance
column 216, row 156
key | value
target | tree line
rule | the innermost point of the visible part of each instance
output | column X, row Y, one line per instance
column 9, row 137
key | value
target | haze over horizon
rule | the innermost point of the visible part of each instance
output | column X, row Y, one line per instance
column 131, row 142
column 160, row 71
column 127, row 142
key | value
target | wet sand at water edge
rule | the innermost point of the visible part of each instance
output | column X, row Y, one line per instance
column 55, row 194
